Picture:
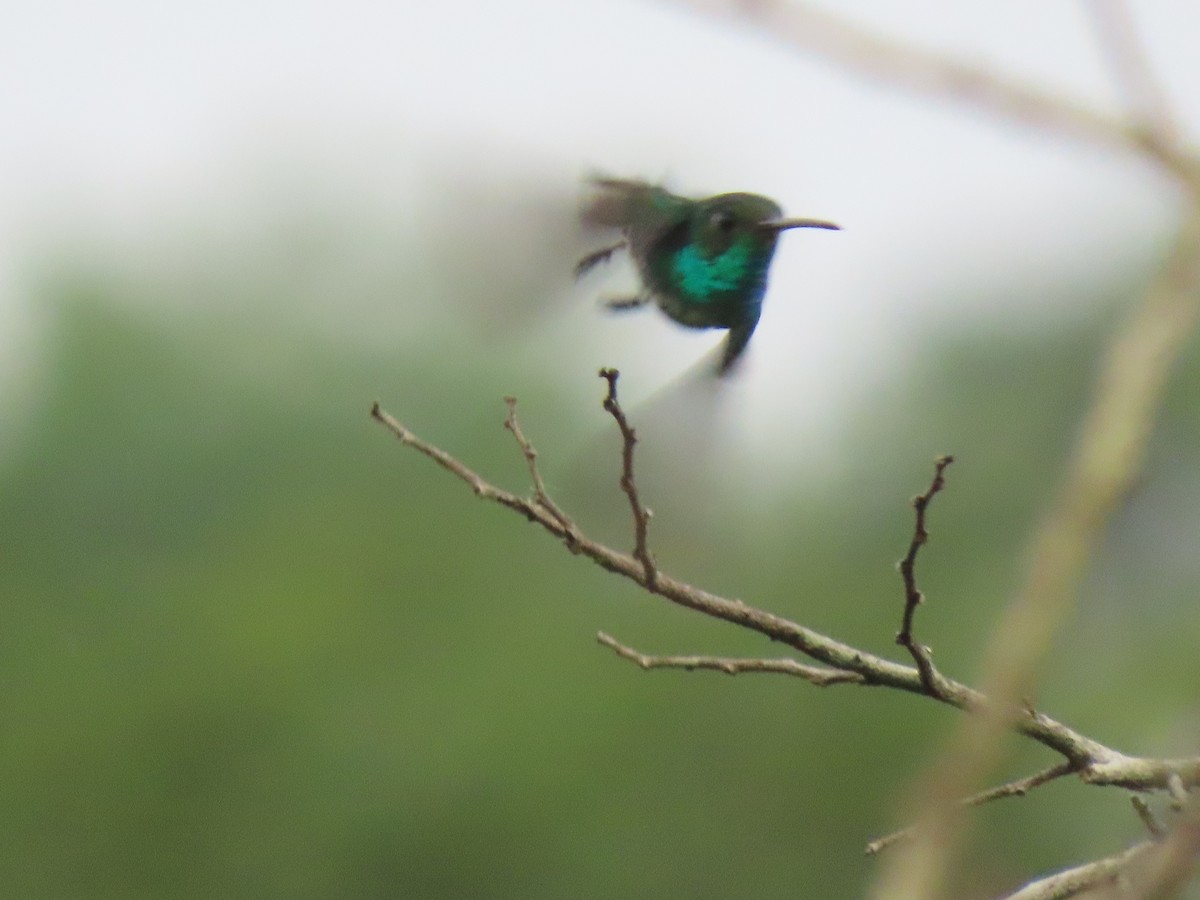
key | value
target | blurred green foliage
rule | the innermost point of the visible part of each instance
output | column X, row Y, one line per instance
column 255, row 648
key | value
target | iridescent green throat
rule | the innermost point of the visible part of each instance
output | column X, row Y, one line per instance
column 702, row 277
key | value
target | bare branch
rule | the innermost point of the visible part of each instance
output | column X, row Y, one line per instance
column 1018, row 788
column 821, row 677
column 930, row 676
column 476, row 482
column 1157, row 868
column 539, row 486
column 1153, row 824
column 1144, row 95
column 897, row 64
column 641, row 515
column 1094, row 762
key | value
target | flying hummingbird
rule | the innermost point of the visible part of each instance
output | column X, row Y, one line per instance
column 704, row 261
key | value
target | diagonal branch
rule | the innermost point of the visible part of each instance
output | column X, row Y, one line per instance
column 1018, row 788
column 1094, row 762
column 1073, row 882
column 1157, row 868
column 1144, row 95
column 897, row 64
column 476, row 482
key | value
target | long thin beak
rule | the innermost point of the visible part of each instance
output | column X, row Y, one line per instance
column 784, row 224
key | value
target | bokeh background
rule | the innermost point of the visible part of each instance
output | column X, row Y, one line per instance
column 255, row 648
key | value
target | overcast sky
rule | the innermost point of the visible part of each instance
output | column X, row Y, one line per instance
column 120, row 115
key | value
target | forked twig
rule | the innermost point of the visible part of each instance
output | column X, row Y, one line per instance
column 530, row 454
column 641, row 515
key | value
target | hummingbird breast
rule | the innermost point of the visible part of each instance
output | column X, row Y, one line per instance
column 719, row 290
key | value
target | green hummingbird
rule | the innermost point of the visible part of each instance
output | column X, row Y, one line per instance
column 703, row 261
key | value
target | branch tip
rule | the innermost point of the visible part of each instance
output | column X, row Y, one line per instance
column 931, row 679
column 1153, row 824
column 570, row 532
column 641, row 515
column 1177, row 791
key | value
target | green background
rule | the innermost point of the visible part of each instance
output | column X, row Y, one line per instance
column 253, row 647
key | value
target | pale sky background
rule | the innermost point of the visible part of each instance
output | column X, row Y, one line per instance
column 127, row 126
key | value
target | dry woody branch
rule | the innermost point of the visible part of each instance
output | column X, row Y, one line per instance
column 840, row 663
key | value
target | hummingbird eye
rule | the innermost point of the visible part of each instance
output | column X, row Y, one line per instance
column 722, row 221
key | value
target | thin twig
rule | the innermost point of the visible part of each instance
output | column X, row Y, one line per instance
column 913, row 597
column 641, row 515
column 821, row 677
column 476, row 482
column 539, row 486
column 1176, row 791
column 1152, row 822
column 1018, row 788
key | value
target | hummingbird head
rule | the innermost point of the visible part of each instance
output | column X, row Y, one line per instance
column 721, row 221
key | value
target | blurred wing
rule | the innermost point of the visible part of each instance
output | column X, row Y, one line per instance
column 613, row 202
column 630, row 205
column 683, row 450
column 494, row 242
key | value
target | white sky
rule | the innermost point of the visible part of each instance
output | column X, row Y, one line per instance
column 124, row 114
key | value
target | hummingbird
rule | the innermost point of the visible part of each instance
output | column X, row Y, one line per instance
column 702, row 261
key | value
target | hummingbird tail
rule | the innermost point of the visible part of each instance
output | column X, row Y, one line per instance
column 735, row 345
